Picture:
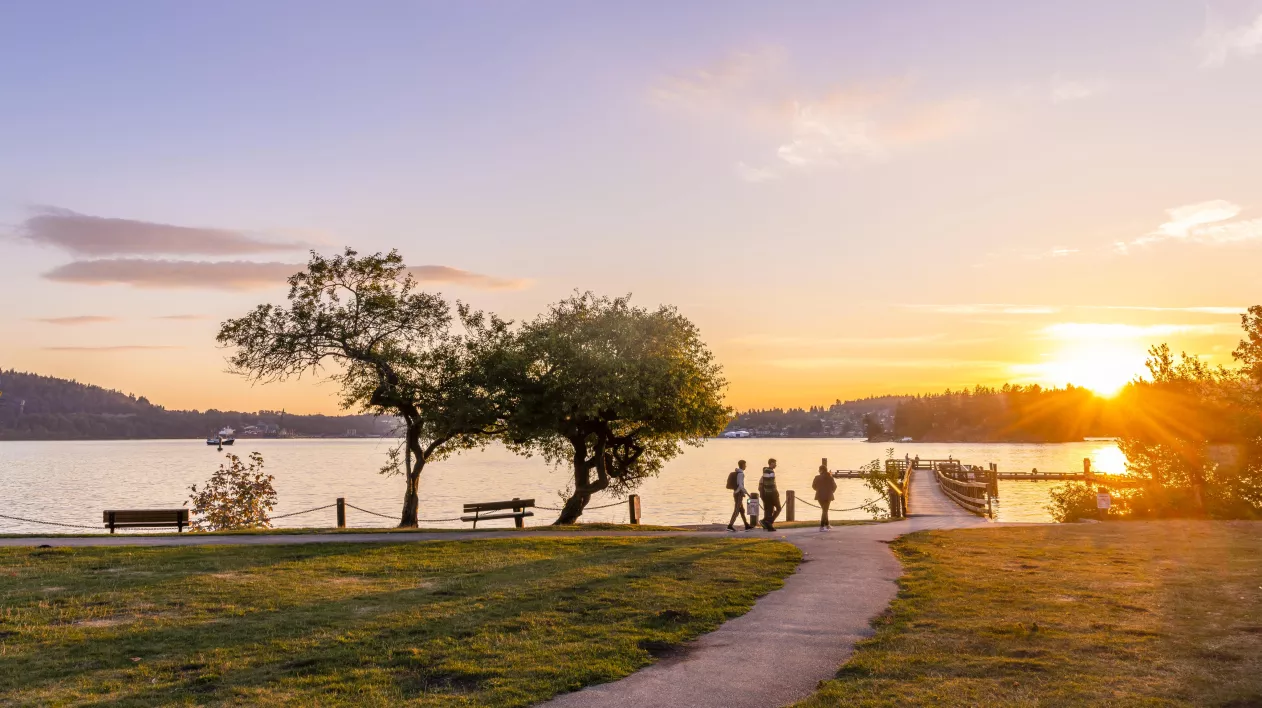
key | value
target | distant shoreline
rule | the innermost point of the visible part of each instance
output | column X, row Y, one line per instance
column 920, row 442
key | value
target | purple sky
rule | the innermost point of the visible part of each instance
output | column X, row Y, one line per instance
column 849, row 198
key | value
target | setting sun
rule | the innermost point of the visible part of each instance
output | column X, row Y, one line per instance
column 1102, row 366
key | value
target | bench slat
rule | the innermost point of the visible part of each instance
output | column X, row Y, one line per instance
column 145, row 515
column 496, row 506
column 490, row 517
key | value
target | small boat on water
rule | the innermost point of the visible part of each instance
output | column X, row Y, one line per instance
column 223, row 437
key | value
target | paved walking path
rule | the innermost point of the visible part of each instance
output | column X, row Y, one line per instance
column 794, row 637
column 771, row 656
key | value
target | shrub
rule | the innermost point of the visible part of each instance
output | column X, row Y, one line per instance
column 237, row 496
column 1074, row 501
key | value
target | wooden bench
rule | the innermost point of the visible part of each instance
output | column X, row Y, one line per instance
column 518, row 512
column 145, row 519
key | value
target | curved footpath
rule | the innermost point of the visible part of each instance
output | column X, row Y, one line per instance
column 795, row 637
column 773, row 655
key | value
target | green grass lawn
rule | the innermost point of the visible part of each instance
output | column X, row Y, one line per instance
column 495, row 622
column 501, row 526
column 1126, row 614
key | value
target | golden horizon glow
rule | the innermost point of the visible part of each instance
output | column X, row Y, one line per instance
column 1103, row 365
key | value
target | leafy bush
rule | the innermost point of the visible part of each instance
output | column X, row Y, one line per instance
column 1072, row 502
column 237, row 496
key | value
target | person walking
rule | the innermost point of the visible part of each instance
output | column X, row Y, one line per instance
column 736, row 483
column 825, row 487
column 770, row 495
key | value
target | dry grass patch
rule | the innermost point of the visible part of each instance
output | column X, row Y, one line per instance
column 1139, row 613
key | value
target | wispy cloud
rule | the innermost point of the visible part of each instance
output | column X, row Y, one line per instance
column 882, row 363
column 1098, row 330
column 183, row 318
column 985, row 309
column 456, row 276
column 1208, row 222
column 1055, row 253
column 810, row 127
column 76, row 320
column 773, row 340
column 237, row 275
column 116, row 348
column 1064, row 90
column 150, row 273
column 86, row 235
column 867, row 123
column 1206, row 310
column 713, row 86
column 756, row 174
column 1220, row 42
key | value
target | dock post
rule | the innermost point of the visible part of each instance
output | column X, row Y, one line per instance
column 790, row 500
column 341, row 512
column 633, row 508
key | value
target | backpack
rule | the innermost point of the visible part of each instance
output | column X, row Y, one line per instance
column 731, row 479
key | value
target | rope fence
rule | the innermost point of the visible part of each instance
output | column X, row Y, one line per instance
column 396, row 516
column 586, row 508
column 308, row 511
column 392, row 516
column 50, row 523
column 831, row 510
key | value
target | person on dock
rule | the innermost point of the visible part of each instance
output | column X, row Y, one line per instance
column 824, row 486
column 736, row 483
column 770, row 495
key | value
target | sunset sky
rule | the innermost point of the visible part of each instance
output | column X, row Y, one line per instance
column 848, row 198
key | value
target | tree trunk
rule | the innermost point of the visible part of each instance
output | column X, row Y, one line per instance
column 413, row 463
column 584, row 487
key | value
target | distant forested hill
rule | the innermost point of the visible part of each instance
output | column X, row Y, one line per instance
column 854, row 418
column 1012, row 413
column 34, row 407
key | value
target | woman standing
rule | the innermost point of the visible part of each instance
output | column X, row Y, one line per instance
column 824, row 486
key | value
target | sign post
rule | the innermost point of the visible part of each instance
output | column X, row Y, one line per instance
column 1103, row 502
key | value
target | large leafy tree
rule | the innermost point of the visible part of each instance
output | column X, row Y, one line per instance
column 611, row 392
column 362, row 321
column 1194, row 432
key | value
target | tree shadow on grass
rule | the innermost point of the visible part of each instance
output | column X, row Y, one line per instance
column 421, row 643
column 393, row 622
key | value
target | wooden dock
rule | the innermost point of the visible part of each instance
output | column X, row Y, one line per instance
column 978, row 473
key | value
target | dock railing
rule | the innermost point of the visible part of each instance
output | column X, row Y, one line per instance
column 965, row 487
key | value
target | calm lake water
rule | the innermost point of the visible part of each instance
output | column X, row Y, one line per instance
column 72, row 482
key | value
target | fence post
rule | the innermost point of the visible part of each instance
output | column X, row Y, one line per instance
column 341, row 512
column 633, row 508
column 789, row 505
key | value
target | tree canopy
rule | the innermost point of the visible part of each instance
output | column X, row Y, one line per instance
column 610, row 390
column 392, row 348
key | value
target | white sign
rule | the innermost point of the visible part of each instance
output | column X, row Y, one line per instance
column 1103, row 501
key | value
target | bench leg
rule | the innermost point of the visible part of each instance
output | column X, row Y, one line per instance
column 519, row 520
column 475, row 519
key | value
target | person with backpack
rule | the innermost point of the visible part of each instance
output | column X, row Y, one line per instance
column 769, row 494
column 736, row 483
column 824, row 486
